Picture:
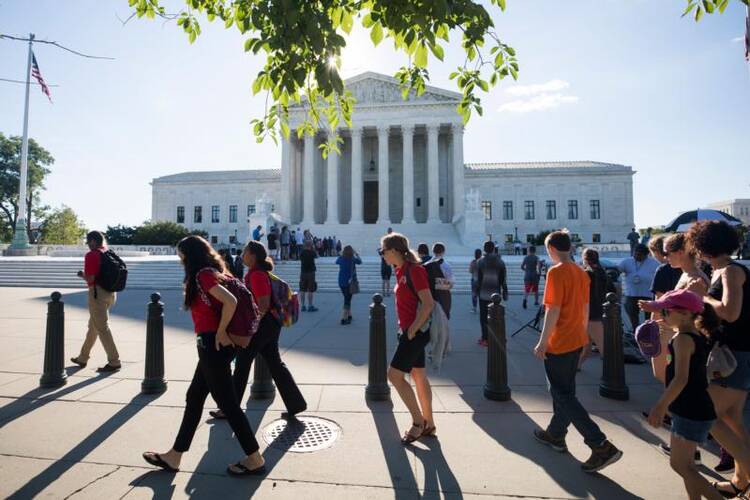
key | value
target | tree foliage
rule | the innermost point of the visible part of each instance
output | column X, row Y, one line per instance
column 302, row 41
column 120, row 235
column 62, row 227
column 697, row 8
column 159, row 233
column 10, row 167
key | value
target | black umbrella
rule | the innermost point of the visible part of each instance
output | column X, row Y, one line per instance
column 689, row 218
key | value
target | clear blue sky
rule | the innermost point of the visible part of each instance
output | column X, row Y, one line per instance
column 622, row 81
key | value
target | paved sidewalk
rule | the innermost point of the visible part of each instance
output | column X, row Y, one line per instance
column 84, row 440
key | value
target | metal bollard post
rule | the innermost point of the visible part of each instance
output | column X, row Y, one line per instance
column 262, row 386
column 496, row 387
column 153, row 379
column 54, row 345
column 613, row 363
column 377, row 383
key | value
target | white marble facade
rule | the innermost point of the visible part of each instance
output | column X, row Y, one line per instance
column 401, row 165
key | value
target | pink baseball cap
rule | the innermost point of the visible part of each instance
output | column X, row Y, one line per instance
column 676, row 299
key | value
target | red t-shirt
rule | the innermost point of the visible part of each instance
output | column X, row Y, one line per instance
column 205, row 309
column 258, row 282
column 406, row 301
column 92, row 264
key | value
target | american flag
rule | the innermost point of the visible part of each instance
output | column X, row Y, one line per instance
column 38, row 75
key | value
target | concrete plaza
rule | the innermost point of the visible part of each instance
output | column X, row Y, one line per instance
column 84, row 440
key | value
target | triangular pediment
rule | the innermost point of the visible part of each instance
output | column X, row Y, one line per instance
column 375, row 88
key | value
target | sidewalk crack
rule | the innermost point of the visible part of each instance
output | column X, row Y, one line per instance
column 93, row 481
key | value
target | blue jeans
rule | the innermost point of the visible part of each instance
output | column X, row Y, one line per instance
column 561, row 379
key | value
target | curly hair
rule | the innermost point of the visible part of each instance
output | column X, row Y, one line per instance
column 713, row 238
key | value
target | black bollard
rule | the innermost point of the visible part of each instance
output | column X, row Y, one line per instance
column 613, row 363
column 496, row 387
column 262, row 386
column 377, row 382
column 153, row 379
column 54, row 345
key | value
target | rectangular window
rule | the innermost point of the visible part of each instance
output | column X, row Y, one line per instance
column 198, row 215
column 441, row 201
column 487, row 209
column 572, row 209
column 180, row 215
column 508, row 238
column 596, row 238
column 214, row 214
column 595, row 211
column 551, row 210
column 575, row 237
column 528, row 210
column 507, row 210
column 250, row 210
column 214, row 240
column 232, row 239
column 232, row 213
column 530, row 238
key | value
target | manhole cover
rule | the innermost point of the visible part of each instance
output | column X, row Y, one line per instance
column 303, row 435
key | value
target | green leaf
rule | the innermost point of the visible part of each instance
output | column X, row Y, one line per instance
column 437, row 51
column 420, row 56
column 376, row 34
column 698, row 13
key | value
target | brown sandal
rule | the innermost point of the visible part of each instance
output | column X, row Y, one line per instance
column 410, row 438
column 429, row 431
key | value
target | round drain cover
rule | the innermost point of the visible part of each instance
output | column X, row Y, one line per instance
column 302, row 435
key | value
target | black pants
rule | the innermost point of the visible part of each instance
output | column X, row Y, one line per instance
column 347, row 297
column 483, row 308
column 633, row 311
column 213, row 375
column 266, row 343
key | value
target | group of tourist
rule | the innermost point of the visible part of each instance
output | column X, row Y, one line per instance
column 695, row 312
column 287, row 244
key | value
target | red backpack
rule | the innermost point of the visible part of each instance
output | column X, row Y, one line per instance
column 246, row 317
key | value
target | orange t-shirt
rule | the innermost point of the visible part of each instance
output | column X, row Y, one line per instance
column 567, row 287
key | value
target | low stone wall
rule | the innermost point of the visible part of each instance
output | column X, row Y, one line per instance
column 79, row 250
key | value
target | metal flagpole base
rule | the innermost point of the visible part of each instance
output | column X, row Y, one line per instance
column 20, row 244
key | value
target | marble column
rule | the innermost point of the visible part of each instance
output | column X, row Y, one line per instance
column 308, row 184
column 332, row 213
column 383, row 167
column 407, row 137
column 357, row 186
column 459, row 191
column 286, row 170
column 433, row 171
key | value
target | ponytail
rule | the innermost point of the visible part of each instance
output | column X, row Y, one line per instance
column 262, row 260
column 400, row 244
column 707, row 321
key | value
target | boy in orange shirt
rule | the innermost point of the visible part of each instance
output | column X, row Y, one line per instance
column 566, row 299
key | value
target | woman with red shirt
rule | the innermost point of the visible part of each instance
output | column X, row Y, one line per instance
column 266, row 341
column 212, row 307
column 413, row 308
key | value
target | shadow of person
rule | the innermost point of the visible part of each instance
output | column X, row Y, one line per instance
column 400, row 468
column 160, row 482
column 439, row 479
column 36, row 398
column 57, row 468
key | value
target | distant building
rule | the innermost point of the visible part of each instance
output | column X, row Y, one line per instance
column 738, row 207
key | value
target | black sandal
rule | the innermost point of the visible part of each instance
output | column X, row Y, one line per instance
column 244, row 471
column 155, row 459
column 410, row 438
column 217, row 414
column 730, row 494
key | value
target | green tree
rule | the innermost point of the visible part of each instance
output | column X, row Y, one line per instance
column 10, row 168
column 62, row 227
column 697, row 8
column 159, row 233
column 199, row 232
column 120, row 235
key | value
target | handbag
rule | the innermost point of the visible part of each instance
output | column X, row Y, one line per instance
column 353, row 281
column 721, row 362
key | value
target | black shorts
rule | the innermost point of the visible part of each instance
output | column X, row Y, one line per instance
column 410, row 353
column 386, row 272
column 307, row 282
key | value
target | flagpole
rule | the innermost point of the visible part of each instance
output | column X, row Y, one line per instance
column 21, row 238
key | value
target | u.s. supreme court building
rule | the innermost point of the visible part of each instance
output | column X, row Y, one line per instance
column 401, row 165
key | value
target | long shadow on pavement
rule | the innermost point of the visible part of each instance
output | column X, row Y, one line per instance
column 78, row 453
column 439, row 479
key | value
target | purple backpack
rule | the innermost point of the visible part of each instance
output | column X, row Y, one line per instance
column 647, row 336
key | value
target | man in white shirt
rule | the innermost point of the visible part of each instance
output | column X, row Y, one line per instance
column 638, row 272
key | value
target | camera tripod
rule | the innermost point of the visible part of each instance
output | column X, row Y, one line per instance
column 533, row 323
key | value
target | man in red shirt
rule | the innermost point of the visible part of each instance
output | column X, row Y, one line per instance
column 100, row 301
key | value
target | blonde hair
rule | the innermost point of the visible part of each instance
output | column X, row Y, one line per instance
column 399, row 244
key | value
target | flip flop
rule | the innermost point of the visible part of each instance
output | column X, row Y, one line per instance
column 217, row 414
column 244, row 471
column 155, row 459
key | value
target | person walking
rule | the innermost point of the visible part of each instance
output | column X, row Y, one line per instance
column 491, row 278
column 285, row 240
column 530, row 267
column 414, row 305
column 639, row 272
column 686, row 386
column 211, row 307
column 633, row 238
column 599, row 286
column 729, row 295
column 566, row 297
column 307, row 283
column 273, row 243
column 100, row 301
column 440, row 275
column 348, row 283
column 474, row 279
column 266, row 340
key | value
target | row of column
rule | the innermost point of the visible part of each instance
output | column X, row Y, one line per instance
column 407, row 135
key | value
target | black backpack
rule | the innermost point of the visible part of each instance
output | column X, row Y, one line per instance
column 442, row 296
column 113, row 272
